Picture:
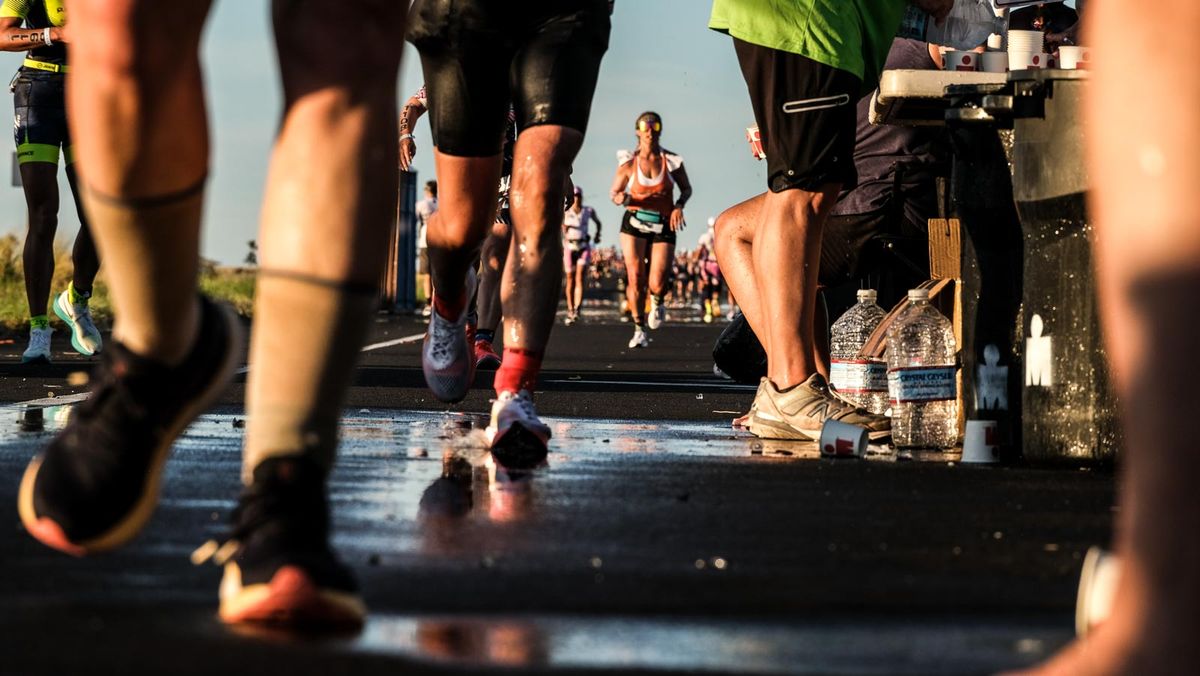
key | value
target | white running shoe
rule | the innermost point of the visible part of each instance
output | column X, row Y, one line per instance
column 639, row 338
column 657, row 314
column 447, row 357
column 570, row 319
column 38, row 351
column 85, row 337
column 518, row 439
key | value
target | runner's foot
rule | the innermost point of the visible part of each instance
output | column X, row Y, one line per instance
column 447, row 356
column 639, row 338
column 96, row 484
column 85, row 337
column 801, row 411
column 38, row 351
column 279, row 568
column 518, row 438
column 485, row 356
column 657, row 314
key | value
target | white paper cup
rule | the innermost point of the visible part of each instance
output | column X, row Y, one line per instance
column 981, row 444
column 1026, row 60
column 993, row 62
column 1026, row 41
column 962, row 61
column 840, row 440
column 1072, row 57
column 1097, row 589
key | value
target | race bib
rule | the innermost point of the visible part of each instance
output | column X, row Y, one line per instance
column 922, row 384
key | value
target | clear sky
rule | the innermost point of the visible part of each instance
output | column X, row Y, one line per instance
column 661, row 57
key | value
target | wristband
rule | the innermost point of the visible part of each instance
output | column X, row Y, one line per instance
column 407, row 137
column 46, row 36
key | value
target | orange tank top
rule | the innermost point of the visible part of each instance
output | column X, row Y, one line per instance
column 654, row 194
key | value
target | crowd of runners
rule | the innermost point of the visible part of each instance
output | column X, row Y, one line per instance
column 508, row 96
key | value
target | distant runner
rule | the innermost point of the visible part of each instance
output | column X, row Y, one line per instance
column 577, row 251
column 645, row 184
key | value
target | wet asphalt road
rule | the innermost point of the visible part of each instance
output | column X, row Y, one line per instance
column 657, row 540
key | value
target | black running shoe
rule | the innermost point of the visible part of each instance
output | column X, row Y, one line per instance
column 279, row 568
column 96, row 485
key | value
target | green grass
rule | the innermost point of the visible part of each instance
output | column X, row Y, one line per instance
column 235, row 286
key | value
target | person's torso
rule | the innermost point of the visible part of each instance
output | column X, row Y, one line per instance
column 650, row 184
column 576, row 224
column 40, row 14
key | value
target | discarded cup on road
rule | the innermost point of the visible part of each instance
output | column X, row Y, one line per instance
column 981, row 444
column 962, row 61
column 1073, row 57
column 841, row 440
column 993, row 62
column 1097, row 589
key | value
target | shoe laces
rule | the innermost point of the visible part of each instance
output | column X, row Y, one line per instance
column 442, row 334
column 39, row 340
column 83, row 317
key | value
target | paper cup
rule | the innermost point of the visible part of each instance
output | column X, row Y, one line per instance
column 839, row 440
column 981, row 445
column 962, row 61
column 993, row 62
column 1026, row 60
column 1073, row 57
column 1026, row 41
column 1097, row 589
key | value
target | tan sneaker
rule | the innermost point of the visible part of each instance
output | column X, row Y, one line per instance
column 800, row 412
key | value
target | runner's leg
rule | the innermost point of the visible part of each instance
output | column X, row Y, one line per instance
column 635, row 250
column 84, row 257
column 580, row 277
column 661, row 255
column 40, row 183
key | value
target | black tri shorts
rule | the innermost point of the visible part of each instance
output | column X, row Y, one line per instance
column 807, row 114
column 478, row 55
column 667, row 235
column 40, row 117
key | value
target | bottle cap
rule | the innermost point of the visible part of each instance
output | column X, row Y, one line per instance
column 867, row 295
column 918, row 294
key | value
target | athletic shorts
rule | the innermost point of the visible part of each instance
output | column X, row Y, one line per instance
column 667, row 235
column 574, row 257
column 40, row 117
column 478, row 55
column 807, row 114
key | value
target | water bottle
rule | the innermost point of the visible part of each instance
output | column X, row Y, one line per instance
column 862, row 381
column 921, row 376
column 969, row 25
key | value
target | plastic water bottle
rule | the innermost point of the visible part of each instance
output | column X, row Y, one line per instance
column 863, row 381
column 921, row 376
column 969, row 25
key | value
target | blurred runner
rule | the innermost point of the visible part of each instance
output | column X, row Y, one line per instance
column 577, row 251
column 477, row 56
column 425, row 209
column 645, row 185
column 40, row 132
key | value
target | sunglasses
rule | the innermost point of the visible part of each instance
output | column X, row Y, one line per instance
column 646, row 125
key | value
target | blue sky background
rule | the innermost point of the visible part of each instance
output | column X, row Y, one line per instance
column 661, row 57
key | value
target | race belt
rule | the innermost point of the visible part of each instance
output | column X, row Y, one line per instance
column 46, row 66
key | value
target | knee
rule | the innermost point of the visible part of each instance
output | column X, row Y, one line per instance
column 43, row 222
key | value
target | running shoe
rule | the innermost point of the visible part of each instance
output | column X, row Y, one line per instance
column 639, row 338
column 96, row 485
column 85, row 337
column 708, row 317
column 447, row 356
column 485, row 356
column 427, row 310
column 657, row 313
column 38, row 351
column 517, row 437
column 800, row 412
column 569, row 319
column 279, row 568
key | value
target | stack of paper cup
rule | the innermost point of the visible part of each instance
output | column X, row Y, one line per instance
column 1025, row 49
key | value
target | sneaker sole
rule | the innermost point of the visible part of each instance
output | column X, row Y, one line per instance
column 75, row 332
column 519, row 448
column 289, row 599
column 49, row 533
column 35, row 360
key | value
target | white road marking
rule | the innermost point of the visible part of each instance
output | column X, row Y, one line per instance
column 398, row 341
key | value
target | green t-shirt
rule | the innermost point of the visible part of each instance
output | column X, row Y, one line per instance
column 850, row 35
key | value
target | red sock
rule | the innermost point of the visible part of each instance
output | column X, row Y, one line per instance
column 518, row 370
column 448, row 308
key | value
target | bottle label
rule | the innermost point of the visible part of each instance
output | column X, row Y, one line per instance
column 858, row 376
column 922, row 384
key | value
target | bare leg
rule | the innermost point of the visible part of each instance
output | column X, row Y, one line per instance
column 321, row 255
column 580, row 275
column 466, row 209
column 40, row 181
column 661, row 255
column 1148, row 267
column 634, row 249
column 569, row 284
column 495, row 255
column 786, row 254
column 533, row 275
